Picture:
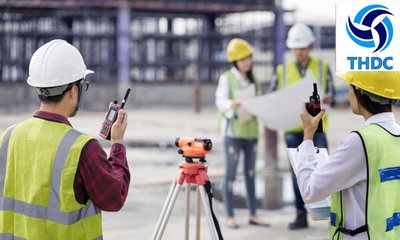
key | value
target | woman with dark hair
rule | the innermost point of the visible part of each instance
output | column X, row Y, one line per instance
column 239, row 136
column 363, row 174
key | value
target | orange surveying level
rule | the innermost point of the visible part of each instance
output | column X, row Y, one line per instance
column 196, row 173
column 111, row 117
column 193, row 148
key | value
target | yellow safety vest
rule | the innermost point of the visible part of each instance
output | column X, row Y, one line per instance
column 244, row 130
column 382, row 211
column 288, row 74
column 38, row 164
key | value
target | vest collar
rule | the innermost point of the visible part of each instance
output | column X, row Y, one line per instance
column 51, row 117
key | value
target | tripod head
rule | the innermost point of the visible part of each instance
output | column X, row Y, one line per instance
column 192, row 148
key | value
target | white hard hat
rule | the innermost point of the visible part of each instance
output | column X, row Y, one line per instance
column 300, row 36
column 56, row 63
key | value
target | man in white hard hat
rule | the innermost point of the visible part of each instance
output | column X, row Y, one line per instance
column 54, row 180
column 300, row 40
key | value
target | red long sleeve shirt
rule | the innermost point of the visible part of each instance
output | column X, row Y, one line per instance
column 103, row 180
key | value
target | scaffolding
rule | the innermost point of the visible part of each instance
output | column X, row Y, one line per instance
column 168, row 41
column 157, row 41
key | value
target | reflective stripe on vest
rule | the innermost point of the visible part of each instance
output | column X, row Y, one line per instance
column 321, row 69
column 389, row 174
column 393, row 221
column 7, row 236
column 3, row 160
column 52, row 212
column 284, row 79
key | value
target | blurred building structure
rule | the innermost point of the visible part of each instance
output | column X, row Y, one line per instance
column 151, row 44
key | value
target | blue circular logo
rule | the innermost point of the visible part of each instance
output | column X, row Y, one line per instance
column 365, row 20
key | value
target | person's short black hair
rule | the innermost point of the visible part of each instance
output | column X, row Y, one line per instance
column 58, row 98
column 369, row 105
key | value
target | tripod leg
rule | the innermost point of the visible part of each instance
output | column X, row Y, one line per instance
column 207, row 209
column 187, row 210
column 168, row 211
column 198, row 209
column 164, row 210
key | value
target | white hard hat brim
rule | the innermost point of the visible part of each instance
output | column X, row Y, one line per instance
column 295, row 45
column 88, row 71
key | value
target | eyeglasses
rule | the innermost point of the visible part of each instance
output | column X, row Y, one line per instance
column 83, row 85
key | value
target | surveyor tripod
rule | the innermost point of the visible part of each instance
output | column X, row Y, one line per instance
column 191, row 173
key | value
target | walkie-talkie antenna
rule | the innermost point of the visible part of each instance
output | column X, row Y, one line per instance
column 125, row 98
column 315, row 92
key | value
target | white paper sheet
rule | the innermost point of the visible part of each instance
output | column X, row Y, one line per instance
column 241, row 95
column 280, row 110
column 318, row 210
column 320, row 156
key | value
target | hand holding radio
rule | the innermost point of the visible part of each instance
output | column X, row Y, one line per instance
column 311, row 116
column 310, row 123
column 110, row 125
column 314, row 106
column 119, row 127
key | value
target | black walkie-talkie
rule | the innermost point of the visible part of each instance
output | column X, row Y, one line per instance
column 111, row 117
column 314, row 107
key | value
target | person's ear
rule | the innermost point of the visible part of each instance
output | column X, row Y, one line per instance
column 74, row 91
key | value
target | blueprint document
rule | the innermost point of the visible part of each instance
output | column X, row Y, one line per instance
column 280, row 110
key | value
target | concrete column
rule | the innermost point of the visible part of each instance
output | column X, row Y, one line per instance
column 123, row 50
column 273, row 180
column 280, row 37
column 205, row 53
column 169, row 53
column 68, row 22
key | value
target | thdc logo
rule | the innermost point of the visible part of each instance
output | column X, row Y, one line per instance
column 361, row 32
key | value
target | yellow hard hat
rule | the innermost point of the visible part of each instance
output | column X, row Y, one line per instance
column 238, row 49
column 382, row 83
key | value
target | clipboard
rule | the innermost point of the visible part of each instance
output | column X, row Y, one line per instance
column 320, row 210
column 241, row 95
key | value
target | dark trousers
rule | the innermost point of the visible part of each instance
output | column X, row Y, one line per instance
column 233, row 147
column 293, row 140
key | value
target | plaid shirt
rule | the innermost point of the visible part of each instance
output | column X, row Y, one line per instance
column 103, row 180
